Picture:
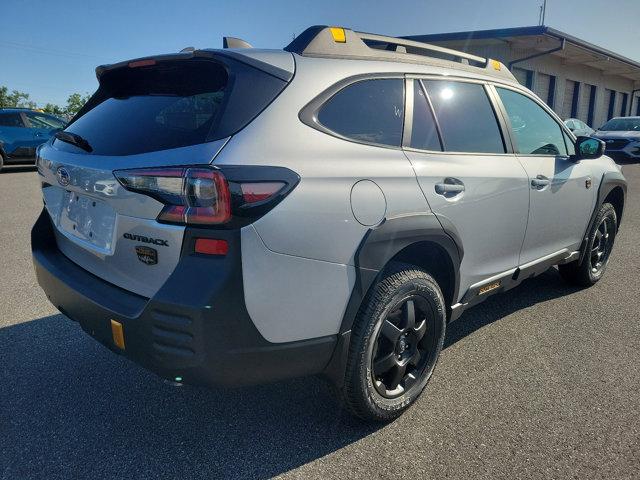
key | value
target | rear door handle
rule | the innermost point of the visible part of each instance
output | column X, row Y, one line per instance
column 540, row 182
column 449, row 187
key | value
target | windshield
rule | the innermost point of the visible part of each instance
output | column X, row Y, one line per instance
column 622, row 125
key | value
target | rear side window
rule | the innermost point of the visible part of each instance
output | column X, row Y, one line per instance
column 424, row 133
column 369, row 111
column 172, row 104
column 535, row 131
column 466, row 118
column 10, row 119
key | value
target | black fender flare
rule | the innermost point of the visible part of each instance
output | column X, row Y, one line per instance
column 378, row 246
column 609, row 181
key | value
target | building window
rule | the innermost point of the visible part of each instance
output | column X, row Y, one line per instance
column 524, row 76
column 571, row 99
column 592, row 105
column 551, row 98
column 623, row 107
column 612, row 104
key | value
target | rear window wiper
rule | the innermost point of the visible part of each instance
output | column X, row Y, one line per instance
column 74, row 139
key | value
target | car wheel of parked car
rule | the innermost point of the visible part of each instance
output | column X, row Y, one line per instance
column 2, row 160
column 396, row 340
column 598, row 248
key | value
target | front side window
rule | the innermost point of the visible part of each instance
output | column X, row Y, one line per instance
column 535, row 131
column 369, row 111
column 41, row 120
column 465, row 116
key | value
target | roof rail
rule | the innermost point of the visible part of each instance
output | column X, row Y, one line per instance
column 338, row 42
column 427, row 47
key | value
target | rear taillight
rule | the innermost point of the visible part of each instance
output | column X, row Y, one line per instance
column 192, row 195
column 203, row 195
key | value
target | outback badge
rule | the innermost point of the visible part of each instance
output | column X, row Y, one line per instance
column 147, row 255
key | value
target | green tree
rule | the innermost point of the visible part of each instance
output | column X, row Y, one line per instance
column 53, row 109
column 75, row 103
column 15, row 99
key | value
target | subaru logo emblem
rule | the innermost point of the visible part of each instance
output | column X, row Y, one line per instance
column 610, row 141
column 63, row 176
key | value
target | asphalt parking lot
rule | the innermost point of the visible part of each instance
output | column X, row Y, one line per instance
column 541, row 382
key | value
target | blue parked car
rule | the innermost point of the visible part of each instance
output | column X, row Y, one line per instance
column 21, row 131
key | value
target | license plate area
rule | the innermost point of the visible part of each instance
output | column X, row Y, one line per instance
column 89, row 220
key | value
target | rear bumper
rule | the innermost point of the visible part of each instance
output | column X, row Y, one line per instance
column 196, row 327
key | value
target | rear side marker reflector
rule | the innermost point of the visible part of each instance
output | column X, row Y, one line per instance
column 117, row 333
column 210, row 246
column 260, row 191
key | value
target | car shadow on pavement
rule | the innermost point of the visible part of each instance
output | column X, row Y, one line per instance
column 69, row 408
column 17, row 169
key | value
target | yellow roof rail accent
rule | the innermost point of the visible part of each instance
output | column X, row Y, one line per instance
column 496, row 65
column 338, row 34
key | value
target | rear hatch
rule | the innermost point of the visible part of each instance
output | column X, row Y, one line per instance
column 157, row 112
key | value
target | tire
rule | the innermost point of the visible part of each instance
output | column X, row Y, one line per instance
column 2, row 160
column 383, row 334
column 597, row 250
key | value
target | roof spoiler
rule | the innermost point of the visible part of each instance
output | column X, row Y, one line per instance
column 233, row 42
column 338, row 42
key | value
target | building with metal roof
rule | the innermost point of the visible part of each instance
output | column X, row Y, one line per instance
column 576, row 78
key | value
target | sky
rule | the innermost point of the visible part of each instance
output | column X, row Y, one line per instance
column 50, row 49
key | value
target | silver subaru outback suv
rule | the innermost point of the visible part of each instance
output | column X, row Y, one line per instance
column 239, row 216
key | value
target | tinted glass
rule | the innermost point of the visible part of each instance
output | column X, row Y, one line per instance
column 370, row 111
column 622, row 125
column 424, row 134
column 172, row 104
column 571, row 147
column 41, row 120
column 536, row 132
column 467, row 120
column 147, row 109
column 10, row 119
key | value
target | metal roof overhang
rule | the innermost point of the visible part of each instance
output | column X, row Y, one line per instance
column 540, row 39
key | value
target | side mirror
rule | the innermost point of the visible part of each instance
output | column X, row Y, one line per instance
column 589, row 147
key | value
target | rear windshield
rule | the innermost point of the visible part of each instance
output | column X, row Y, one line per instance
column 172, row 104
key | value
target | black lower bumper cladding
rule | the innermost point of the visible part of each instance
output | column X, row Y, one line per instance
column 195, row 329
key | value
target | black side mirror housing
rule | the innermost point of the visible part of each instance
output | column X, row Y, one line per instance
column 588, row 148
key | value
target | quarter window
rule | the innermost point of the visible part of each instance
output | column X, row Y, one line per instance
column 10, row 120
column 465, row 116
column 535, row 131
column 370, row 111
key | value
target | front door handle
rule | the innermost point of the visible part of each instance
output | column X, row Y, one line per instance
column 449, row 187
column 540, row 182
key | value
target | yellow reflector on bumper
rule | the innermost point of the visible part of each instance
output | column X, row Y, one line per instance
column 338, row 35
column 118, row 334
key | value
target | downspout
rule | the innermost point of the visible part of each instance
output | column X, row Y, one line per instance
column 540, row 54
